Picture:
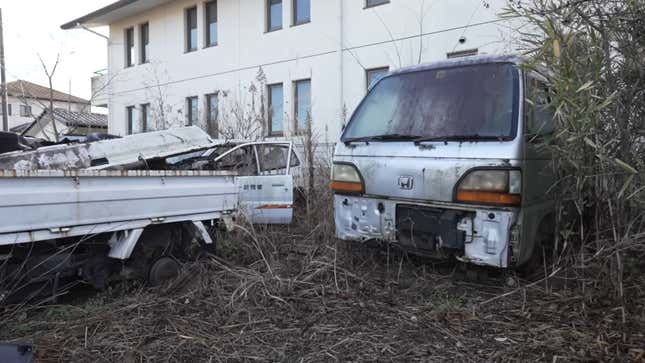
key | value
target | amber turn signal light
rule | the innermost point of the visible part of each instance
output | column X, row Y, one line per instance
column 489, row 198
column 346, row 187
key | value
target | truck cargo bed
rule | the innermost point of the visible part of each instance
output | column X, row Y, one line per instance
column 39, row 205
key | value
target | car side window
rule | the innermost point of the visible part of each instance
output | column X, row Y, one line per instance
column 241, row 160
column 273, row 159
column 540, row 115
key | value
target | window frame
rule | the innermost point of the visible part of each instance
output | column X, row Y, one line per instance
column 270, row 110
column 267, row 9
column 189, row 111
column 209, row 110
column 129, row 119
column 296, row 126
column 128, row 35
column 144, row 43
column 382, row 2
column 187, row 30
column 294, row 11
column 294, row 160
column 372, row 70
column 145, row 109
column 207, row 35
column 462, row 53
column 27, row 111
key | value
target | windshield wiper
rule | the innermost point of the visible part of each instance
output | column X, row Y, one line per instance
column 473, row 137
column 385, row 137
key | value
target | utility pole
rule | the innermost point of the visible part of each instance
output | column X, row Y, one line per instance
column 3, row 79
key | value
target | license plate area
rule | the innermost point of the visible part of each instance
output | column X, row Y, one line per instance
column 429, row 229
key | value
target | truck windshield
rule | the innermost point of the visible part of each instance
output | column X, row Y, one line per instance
column 462, row 103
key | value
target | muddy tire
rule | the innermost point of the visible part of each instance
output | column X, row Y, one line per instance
column 164, row 269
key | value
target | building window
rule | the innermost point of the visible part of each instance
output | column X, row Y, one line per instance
column 211, row 23
column 131, row 117
column 301, row 11
column 129, row 47
column 302, row 103
column 212, row 114
column 192, row 111
column 370, row 3
column 274, row 15
column 145, row 117
column 276, row 109
column 145, row 43
column 373, row 75
column 25, row 111
column 191, row 29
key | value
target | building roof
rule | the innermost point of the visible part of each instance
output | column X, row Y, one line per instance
column 118, row 10
column 26, row 89
column 73, row 119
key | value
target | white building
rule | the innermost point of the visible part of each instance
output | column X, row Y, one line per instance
column 197, row 62
column 26, row 101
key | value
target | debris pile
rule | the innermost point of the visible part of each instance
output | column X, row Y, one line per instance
column 130, row 152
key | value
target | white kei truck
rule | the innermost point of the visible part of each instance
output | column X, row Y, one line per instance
column 122, row 208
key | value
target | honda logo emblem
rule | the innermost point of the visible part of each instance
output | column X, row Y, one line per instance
column 406, row 182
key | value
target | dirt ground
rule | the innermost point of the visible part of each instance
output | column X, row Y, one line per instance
column 298, row 295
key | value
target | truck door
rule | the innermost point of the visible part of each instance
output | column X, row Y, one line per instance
column 264, row 183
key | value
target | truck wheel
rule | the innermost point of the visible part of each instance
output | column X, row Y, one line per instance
column 542, row 253
column 476, row 274
column 163, row 270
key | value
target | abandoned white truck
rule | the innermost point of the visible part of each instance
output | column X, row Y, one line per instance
column 130, row 207
column 444, row 159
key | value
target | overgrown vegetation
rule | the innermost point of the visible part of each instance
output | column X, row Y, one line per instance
column 591, row 54
column 297, row 294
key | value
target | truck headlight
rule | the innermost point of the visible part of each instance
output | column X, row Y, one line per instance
column 345, row 178
column 491, row 186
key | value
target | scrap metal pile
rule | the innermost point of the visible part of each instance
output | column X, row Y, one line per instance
column 148, row 151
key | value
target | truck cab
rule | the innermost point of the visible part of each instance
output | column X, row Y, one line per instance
column 444, row 160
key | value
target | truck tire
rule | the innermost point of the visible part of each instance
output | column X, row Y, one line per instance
column 164, row 269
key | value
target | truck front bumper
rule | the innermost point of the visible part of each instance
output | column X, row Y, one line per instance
column 479, row 235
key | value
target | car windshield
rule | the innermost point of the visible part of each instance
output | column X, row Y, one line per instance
column 469, row 102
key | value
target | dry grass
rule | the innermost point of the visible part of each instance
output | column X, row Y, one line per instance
column 297, row 294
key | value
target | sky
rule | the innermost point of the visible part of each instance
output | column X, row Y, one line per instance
column 32, row 27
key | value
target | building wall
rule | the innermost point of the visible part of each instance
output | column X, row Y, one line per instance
column 37, row 106
column 45, row 130
column 343, row 39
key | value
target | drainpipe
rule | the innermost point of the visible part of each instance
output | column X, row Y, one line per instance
column 341, row 41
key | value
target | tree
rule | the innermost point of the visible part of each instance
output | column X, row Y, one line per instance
column 162, row 112
column 245, row 115
column 50, row 76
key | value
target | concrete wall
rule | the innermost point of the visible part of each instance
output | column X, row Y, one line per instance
column 342, row 40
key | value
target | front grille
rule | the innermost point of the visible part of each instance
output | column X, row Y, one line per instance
column 429, row 228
